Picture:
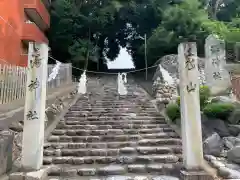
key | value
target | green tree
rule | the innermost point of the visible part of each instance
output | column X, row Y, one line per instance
column 86, row 32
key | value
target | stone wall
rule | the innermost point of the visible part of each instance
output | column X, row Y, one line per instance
column 6, row 149
column 11, row 135
column 161, row 90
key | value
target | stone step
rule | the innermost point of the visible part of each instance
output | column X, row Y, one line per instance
column 110, row 131
column 115, row 102
column 125, row 102
column 129, row 112
column 110, row 138
column 90, row 171
column 113, row 145
column 125, row 159
column 121, row 126
column 113, row 122
column 102, row 105
column 138, row 176
column 103, row 116
column 122, row 109
column 106, row 113
column 112, row 102
column 147, row 150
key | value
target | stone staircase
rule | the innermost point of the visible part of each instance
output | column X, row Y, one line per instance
column 104, row 136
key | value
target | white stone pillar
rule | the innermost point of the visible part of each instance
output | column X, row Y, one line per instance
column 217, row 77
column 190, row 106
column 34, row 115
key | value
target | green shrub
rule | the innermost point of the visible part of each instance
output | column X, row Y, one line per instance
column 204, row 94
column 218, row 110
column 178, row 101
column 173, row 112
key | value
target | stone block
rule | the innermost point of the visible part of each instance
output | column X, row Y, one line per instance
column 6, row 151
column 195, row 175
column 33, row 175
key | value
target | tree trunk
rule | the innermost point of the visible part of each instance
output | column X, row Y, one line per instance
column 88, row 50
column 101, row 57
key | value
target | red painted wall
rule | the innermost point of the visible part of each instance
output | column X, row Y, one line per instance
column 11, row 29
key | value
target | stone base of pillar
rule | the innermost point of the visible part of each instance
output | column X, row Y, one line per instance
column 195, row 175
column 33, row 175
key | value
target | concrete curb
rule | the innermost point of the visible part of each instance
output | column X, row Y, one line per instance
column 53, row 125
column 18, row 114
column 49, row 97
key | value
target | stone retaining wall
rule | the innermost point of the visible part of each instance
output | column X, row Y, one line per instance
column 11, row 136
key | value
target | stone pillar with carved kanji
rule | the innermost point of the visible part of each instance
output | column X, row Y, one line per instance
column 217, row 77
column 34, row 113
column 190, row 108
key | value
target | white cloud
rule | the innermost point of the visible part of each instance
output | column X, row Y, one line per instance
column 123, row 61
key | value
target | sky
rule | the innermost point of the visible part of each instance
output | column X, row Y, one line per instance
column 123, row 61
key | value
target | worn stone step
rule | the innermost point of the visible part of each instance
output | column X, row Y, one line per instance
column 131, row 176
column 113, row 122
column 120, row 126
column 103, row 117
column 110, row 138
column 157, row 169
column 126, row 104
column 125, row 159
column 114, row 109
column 114, row 152
column 113, row 145
column 94, row 101
column 113, row 100
column 107, row 113
column 123, row 102
column 59, row 132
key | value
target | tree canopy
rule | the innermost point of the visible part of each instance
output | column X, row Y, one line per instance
column 86, row 32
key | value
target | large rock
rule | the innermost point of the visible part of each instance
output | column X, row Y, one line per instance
column 231, row 142
column 234, row 129
column 234, row 154
column 6, row 145
column 235, row 117
column 206, row 131
column 16, row 126
column 228, row 173
column 213, row 145
column 222, row 99
column 218, row 126
column 170, row 63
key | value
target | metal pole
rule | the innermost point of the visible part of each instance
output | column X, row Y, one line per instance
column 146, row 64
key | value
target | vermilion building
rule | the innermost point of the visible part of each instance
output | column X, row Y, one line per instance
column 22, row 21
